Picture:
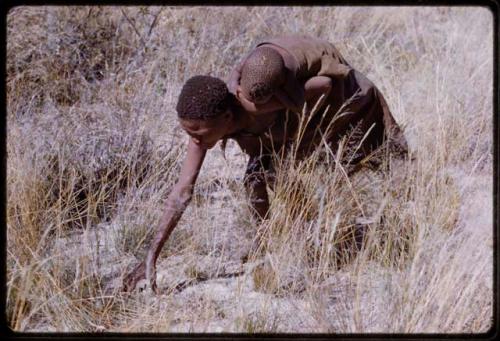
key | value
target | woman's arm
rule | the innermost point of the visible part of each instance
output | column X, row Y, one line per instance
column 177, row 201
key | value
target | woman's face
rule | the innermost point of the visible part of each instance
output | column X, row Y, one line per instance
column 206, row 133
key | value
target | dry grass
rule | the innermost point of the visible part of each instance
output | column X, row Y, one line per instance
column 94, row 148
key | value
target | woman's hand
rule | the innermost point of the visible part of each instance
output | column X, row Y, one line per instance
column 133, row 277
column 151, row 270
column 144, row 270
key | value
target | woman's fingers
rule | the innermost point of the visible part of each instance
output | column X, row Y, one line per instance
column 131, row 280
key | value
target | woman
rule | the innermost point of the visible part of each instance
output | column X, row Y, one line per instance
column 209, row 112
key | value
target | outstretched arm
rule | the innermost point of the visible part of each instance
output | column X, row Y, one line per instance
column 177, row 201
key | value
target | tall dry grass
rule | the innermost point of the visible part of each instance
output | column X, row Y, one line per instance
column 94, row 148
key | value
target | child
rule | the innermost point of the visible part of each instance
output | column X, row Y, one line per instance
column 257, row 119
column 288, row 71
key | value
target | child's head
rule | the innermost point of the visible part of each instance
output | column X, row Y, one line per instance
column 262, row 73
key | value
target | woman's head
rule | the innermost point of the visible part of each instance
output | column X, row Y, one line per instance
column 204, row 109
column 262, row 73
column 203, row 97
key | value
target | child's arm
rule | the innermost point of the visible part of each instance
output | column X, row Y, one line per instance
column 288, row 101
column 272, row 105
column 234, row 77
column 315, row 87
column 291, row 96
column 177, row 201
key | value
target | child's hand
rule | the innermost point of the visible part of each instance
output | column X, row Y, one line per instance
column 240, row 95
column 245, row 102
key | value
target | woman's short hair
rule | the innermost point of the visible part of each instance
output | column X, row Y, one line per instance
column 203, row 97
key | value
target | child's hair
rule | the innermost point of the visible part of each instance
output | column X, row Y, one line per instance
column 262, row 73
column 203, row 97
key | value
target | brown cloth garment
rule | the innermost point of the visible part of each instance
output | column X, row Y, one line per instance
column 353, row 108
